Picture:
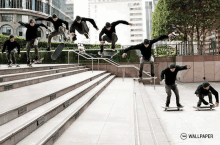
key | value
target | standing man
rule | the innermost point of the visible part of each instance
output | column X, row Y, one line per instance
column 145, row 49
column 170, row 77
column 10, row 45
column 110, row 37
column 206, row 89
column 31, row 38
column 80, row 25
column 58, row 28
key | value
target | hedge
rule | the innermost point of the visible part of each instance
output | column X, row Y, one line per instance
column 42, row 45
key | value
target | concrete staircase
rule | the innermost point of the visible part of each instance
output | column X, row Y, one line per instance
column 38, row 104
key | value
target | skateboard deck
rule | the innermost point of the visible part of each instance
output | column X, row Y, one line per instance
column 58, row 50
column 109, row 53
column 204, row 108
column 172, row 108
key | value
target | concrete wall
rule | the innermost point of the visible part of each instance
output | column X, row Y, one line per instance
column 201, row 66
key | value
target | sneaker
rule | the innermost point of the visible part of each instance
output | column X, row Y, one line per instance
column 100, row 53
column 87, row 36
column 180, row 106
column 140, row 79
column 48, row 49
column 198, row 106
column 17, row 65
column 74, row 38
column 9, row 65
column 166, row 106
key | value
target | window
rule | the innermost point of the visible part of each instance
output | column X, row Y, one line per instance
column 135, row 8
column 21, row 31
column 136, row 19
column 136, row 29
column 7, row 17
column 6, row 30
column 29, row 4
column 40, row 33
column 136, row 40
column 135, row 14
column 136, row 35
column 138, row 24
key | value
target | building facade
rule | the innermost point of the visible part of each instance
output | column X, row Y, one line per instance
column 12, row 11
column 103, row 11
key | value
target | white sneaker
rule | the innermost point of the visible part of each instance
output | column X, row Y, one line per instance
column 99, row 53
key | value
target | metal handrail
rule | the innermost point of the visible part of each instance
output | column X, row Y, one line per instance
column 105, row 59
column 115, row 64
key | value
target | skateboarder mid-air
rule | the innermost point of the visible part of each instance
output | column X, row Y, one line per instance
column 206, row 89
column 80, row 25
column 10, row 45
column 110, row 37
column 145, row 49
column 58, row 28
column 32, row 38
column 170, row 77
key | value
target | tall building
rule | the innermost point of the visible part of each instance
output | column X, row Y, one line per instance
column 103, row 11
column 12, row 11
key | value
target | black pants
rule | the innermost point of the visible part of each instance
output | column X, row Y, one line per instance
column 210, row 98
column 61, row 31
column 34, row 43
column 12, row 54
column 142, row 60
column 84, row 28
column 176, row 92
column 113, row 40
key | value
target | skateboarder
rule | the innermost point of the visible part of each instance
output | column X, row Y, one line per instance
column 10, row 45
column 170, row 77
column 145, row 49
column 31, row 38
column 58, row 28
column 206, row 89
column 110, row 37
column 80, row 25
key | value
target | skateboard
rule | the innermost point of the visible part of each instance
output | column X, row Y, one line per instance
column 58, row 50
column 108, row 53
column 172, row 108
column 81, row 48
column 211, row 107
column 150, row 78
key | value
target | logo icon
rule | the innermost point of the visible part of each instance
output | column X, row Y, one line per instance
column 183, row 136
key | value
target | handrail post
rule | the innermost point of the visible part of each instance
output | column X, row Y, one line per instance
column 92, row 65
column 68, row 57
column 78, row 59
column 154, row 83
column 98, row 64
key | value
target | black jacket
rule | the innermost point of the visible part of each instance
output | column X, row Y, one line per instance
column 79, row 25
column 201, row 91
column 31, row 32
column 109, row 33
column 56, row 24
column 8, row 45
column 170, row 77
column 145, row 51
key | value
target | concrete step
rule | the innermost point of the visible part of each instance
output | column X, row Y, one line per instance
column 36, row 67
column 24, row 75
column 19, row 101
column 150, row 127
column 34, row 80
column 52, row 129
column 17, row 129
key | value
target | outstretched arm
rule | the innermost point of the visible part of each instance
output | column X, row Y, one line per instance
column 4, row 47
column 158, row 39
column 42, row 25
column 91, row 21
column 45, row 19
column 181, row 67
column 120, row 22
column 132, row 48
column 100, row 34
column 23, row 24
column 162, row 74
column 18, row 47
column 215, row 93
